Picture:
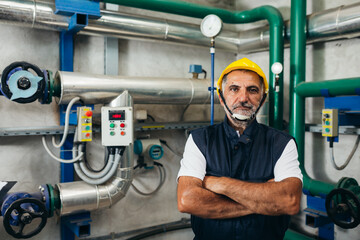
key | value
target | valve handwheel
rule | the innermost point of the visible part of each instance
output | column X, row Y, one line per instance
column 23, row 212
column 16, row 66
column 342, row 205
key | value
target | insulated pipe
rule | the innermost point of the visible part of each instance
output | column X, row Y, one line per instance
column 297, row 102
column 349, row 86
column 269, row 13
column 80, row 196
column 40, row 15
column 103, row 88
column 337, row 23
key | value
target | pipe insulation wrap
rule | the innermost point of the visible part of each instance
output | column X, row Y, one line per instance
column 96, row 89
column 331, row 24
column 80, row 196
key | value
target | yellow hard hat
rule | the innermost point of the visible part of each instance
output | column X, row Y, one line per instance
column 245, row 64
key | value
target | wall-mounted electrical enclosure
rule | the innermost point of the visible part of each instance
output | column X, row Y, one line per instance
column 330, row 126
column 117, row 126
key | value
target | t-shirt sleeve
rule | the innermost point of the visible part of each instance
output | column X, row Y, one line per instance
column 193, row 163
column 288, row 164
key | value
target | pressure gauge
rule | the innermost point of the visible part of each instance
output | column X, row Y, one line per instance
column 211, row 26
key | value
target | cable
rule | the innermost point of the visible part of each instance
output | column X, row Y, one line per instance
column 67, row 119
column 349, row 157
column 151, row 117
column 183, row 113
column 99, row 178
column 59, row 159
column 165, row 143
column 88, row 166
column 161, row 181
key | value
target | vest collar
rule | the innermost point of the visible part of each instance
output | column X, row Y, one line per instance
column 246, row 137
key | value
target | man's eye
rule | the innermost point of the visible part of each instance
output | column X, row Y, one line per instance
column 253, row 90
column 233, row 89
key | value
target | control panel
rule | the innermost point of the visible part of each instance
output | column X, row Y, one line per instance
column 84, row 124
column 117, row 126
column 330, row 126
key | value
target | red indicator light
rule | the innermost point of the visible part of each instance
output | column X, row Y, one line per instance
column 122, row 133
column 89, row 113
column 87, row 135
column 122, row 125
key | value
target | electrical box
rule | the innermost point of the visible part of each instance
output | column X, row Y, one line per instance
column 117, row 126
column 330, row 126
column 84, row 124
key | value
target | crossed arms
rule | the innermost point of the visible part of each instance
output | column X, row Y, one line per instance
column 223, row 197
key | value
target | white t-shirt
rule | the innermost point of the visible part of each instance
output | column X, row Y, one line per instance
column 193, row 163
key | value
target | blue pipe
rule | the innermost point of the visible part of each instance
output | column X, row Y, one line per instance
column 212, row 51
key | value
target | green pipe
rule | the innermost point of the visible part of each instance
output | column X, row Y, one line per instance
column 349, row 86
column 291, row 235
column 271, row 14
column 297, row 102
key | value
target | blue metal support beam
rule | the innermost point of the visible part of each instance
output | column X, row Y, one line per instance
column 80, row 11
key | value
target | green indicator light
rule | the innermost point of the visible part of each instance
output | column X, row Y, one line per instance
column 327, row 130
column 327, row 123
column 112, row 125
column 87, row 128
column 112, row 133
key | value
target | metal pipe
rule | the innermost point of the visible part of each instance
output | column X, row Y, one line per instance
column 337, row 23
column 349, row 86
column 80, row 196
column 297, row 102
column 103, row 88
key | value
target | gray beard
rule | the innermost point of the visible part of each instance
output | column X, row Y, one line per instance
column 237, row 123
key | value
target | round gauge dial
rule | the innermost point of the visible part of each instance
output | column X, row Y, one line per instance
column 211, row 26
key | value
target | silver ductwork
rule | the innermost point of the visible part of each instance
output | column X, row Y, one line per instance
column 93, row 89
column 80, row 196
column 336, row 23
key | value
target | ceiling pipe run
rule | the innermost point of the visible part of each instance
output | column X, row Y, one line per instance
column 332, row 24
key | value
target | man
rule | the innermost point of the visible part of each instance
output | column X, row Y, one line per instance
column 240, row 179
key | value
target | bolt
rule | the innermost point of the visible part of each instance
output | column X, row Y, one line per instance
column 24, row 83
column 26, row 218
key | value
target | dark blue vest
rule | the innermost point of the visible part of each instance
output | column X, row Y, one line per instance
column 250, row 157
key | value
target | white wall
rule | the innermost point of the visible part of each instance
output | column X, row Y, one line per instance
column 23, row 158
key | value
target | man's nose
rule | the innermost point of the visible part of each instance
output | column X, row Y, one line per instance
column 243, row 95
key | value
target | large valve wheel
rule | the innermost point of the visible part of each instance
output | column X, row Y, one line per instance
column 23, row 83
column 25, row 218
column 343, row 207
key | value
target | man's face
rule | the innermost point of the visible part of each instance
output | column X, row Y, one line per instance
column 242, row 92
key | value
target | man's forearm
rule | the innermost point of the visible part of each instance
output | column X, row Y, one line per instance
column 206, row 204
column 271, row 198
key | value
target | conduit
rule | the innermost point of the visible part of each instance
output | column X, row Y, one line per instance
column 297, row 102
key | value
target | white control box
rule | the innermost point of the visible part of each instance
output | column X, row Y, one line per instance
column 117, row 126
